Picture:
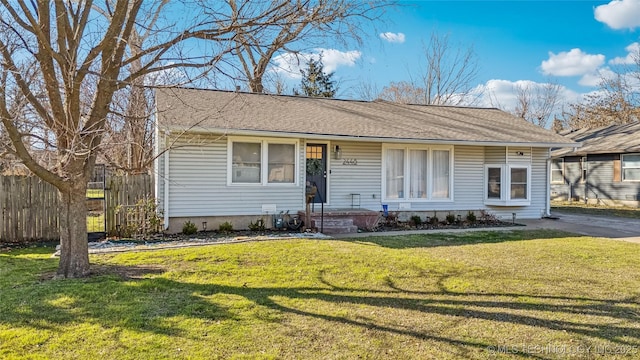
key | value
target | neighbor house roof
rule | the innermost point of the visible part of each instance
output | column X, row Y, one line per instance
column 609, row 139
column 293, row 116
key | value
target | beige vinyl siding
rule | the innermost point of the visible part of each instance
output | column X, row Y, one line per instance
column 495, row 155
column 198, row 183
column 519, row 155
column 364, row 178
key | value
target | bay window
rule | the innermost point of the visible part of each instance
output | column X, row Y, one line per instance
column 262, row 162
column 508, row 185
column 417, row 173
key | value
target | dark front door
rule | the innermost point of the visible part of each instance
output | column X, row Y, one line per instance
column 317, row 170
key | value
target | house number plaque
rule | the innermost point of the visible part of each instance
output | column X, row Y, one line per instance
column 350, row 162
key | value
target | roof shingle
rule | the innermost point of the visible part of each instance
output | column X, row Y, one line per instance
column 609, row 139
column 237, row 112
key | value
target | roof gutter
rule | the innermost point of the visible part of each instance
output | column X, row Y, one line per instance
column 236, row 132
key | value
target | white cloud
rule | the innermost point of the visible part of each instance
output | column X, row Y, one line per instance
column 289, row 64
column 503, row 93
column 619, row 14
column 572, row 63
column 596, row 77
column 392, row 37
column 633, row 51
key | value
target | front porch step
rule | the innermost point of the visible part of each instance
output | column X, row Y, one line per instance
column 332, row 224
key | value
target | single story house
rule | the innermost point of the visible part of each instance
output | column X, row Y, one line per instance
column 234, row 156
column 606, row 169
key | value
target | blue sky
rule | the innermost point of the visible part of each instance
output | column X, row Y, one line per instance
column 567, row 42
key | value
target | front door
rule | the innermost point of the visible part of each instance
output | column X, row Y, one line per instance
column 317, row 170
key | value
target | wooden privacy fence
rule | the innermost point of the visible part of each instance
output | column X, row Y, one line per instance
column 29, row 206
column 121, row 193
column 29, row 209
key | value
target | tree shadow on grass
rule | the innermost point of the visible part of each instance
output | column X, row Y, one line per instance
column 139, row 298
column 427, row 240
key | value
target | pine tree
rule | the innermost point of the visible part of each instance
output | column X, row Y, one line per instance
column 315, row 82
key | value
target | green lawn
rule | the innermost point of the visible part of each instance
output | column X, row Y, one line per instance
column 539, row 294
column 581, row 208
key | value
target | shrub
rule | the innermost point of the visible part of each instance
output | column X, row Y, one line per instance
column 471, row 217
column 225, row 227
column 434, row 220
column 416, row 220
column 257, row 226
column 189, row 228
column 451, row 218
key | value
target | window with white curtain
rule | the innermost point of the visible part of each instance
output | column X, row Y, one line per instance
column 441, row 174
column 418, row 173
column 394, row 161
column 418, row 168
column 262, row 161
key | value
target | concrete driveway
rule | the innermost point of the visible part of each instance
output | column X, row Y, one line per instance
column 598, row 226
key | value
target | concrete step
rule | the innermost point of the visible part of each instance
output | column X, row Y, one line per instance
column 339, row 229
column 332, row 222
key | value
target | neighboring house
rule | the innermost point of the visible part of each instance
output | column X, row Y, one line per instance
column 239, row 156
column 606, row 169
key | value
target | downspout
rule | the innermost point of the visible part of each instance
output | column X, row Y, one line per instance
column 548, row 200
column 166, row 181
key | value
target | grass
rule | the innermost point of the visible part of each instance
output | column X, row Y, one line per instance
column 95, row 222
column 539, row 294
column 95, row 193
column 601, row 210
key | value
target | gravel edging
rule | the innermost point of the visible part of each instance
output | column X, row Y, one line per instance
column 107, row 246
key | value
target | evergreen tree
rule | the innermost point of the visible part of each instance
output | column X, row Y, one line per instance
column 315, row 82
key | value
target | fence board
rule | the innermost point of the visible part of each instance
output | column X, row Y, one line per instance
column 29, row 206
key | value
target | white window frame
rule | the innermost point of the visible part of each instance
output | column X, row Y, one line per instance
column 430, row 180
column 562, row 170
column 264, row 160
column 505, row 185
column 622, row 168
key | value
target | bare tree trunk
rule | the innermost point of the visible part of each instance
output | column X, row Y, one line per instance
column 74, row 252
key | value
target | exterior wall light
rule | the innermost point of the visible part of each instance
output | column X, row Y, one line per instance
column 337, row 152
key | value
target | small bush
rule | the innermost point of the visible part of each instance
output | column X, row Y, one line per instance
column 257, row 226
column 225, row 227
column 451, row 218
column 434, row 220
column 189, row 228
column 416, row 220
column 471, row 217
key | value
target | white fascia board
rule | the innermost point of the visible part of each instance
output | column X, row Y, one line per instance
column 262, row 133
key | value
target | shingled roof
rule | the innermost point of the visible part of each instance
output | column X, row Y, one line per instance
column 294, row 116
column 605, row 140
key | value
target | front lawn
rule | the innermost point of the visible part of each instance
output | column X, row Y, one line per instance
column 524, row 294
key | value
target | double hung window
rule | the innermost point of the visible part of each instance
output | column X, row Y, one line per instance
column 262, row 162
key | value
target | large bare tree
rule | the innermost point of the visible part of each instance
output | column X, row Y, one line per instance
column 450, row 72
column 302, row 24
column 447, row 78
column 403, row 92
column 69, row 62
column 536, row 103
column 617, row 101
